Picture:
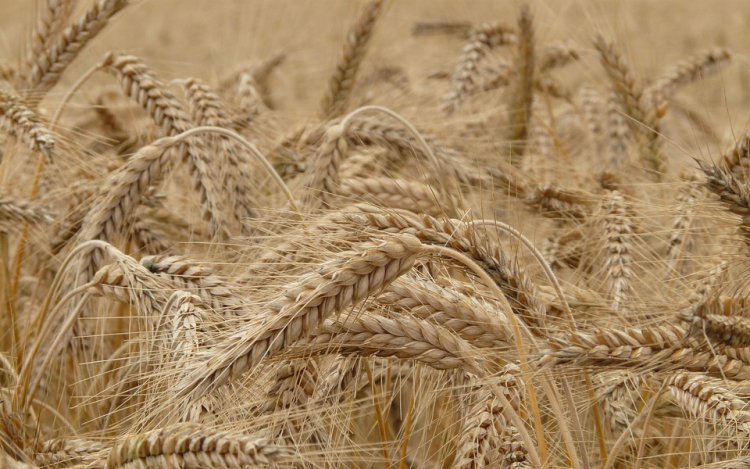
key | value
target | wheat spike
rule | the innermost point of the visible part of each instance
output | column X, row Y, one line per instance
column 142, row 85
column 466, row 77
column 190, row 446
column 20, row 121
column 47, row 67
column 341, row 83
column 338, row 284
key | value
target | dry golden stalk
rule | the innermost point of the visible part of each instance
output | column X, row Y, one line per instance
column 521, row 99
column 521, row 291
column 705, row 398
column 557, row 55
column 737, row 160
column 394, row 193
column 341, row 83
column 399, row 336
column 466, row 77
column 197, row 278
column 18, row 120
column 559, row 202
column 477, row 323
column 617, row 254
column 684, row 72
column 208, row 110
column 191, row 446
column 457, row 28
column 344, row 281
column 64, row 452
column 141, row 84
column 47, row 67
column 732, row 193
column 323, row 177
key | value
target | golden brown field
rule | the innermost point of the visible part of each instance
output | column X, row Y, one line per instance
column 374, row 234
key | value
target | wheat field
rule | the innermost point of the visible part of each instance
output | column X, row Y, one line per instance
column 374, row 234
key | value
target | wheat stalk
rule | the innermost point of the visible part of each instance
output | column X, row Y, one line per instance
column 520, row 106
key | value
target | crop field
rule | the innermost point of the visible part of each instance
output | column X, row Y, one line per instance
column 397, row 234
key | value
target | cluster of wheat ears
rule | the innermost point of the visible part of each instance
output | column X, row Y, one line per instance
column 187, row 282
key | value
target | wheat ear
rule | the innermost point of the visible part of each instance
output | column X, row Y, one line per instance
column 142, row 85
column 341, row 83
column 47, row 67
column 466, row 76
column 190, row 446
column 403, row 337
column 51, row 21
column 737, row 160
column 20, row 121
column 338, row 284
column 197, row 278
column 703, row 397
column 682, row 73
column 208, row 110
column 617, row 231
column 641, row 118
column 449, row 308
column 66, row 452
column 732, row 193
